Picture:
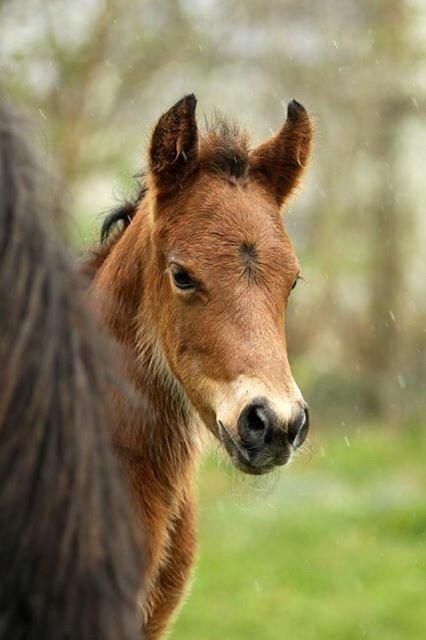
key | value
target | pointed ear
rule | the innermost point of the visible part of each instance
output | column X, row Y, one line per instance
column 173, row 152
column 280, row 161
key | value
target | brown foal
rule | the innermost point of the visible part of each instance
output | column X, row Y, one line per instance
column 195, row 286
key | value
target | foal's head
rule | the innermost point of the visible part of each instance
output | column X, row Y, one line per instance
column 222, row 269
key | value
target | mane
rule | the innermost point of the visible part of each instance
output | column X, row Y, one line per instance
column 69, row 565
column 124, row 213
column 115, row 223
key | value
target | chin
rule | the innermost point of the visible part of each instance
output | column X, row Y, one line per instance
column 244, row 460
column 250, row 469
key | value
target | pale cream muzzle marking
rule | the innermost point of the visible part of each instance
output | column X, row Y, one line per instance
column 258, row 430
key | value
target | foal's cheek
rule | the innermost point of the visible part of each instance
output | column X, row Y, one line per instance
column 176, row 340
column 187, row 353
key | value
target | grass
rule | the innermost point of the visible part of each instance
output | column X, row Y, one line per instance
column 335, row 550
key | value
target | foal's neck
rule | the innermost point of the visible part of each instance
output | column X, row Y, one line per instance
column 162, row 428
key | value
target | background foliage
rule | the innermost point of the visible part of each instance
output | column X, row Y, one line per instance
column 339, row 550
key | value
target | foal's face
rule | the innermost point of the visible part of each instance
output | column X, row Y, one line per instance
column 225, row 269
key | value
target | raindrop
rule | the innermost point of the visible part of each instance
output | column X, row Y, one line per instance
column 401, row 381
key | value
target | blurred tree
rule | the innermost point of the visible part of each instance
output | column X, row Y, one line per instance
column 389, row 22
column 91, row 65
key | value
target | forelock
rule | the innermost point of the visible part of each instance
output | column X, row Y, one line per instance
column 224, row 148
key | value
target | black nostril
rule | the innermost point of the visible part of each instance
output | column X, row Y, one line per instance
column 257, row 420
column 298, row 428
column 254, row 423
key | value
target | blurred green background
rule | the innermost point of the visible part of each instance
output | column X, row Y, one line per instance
column 333, row 547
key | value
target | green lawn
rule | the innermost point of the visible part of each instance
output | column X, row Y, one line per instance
column 334, row 550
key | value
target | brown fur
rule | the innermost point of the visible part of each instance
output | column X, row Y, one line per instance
column 70, row 568
column 212, row 206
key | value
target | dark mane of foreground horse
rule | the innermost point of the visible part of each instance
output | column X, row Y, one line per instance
column 68, row 561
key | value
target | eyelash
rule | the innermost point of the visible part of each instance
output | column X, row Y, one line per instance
column 181, row 279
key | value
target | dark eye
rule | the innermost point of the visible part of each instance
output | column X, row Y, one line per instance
column 181, row 279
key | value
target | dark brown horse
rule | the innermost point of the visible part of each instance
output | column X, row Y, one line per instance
column 70, row 567
column 195, row 286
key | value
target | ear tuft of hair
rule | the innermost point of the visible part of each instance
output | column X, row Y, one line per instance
column 190, row 102
column 295, row 109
